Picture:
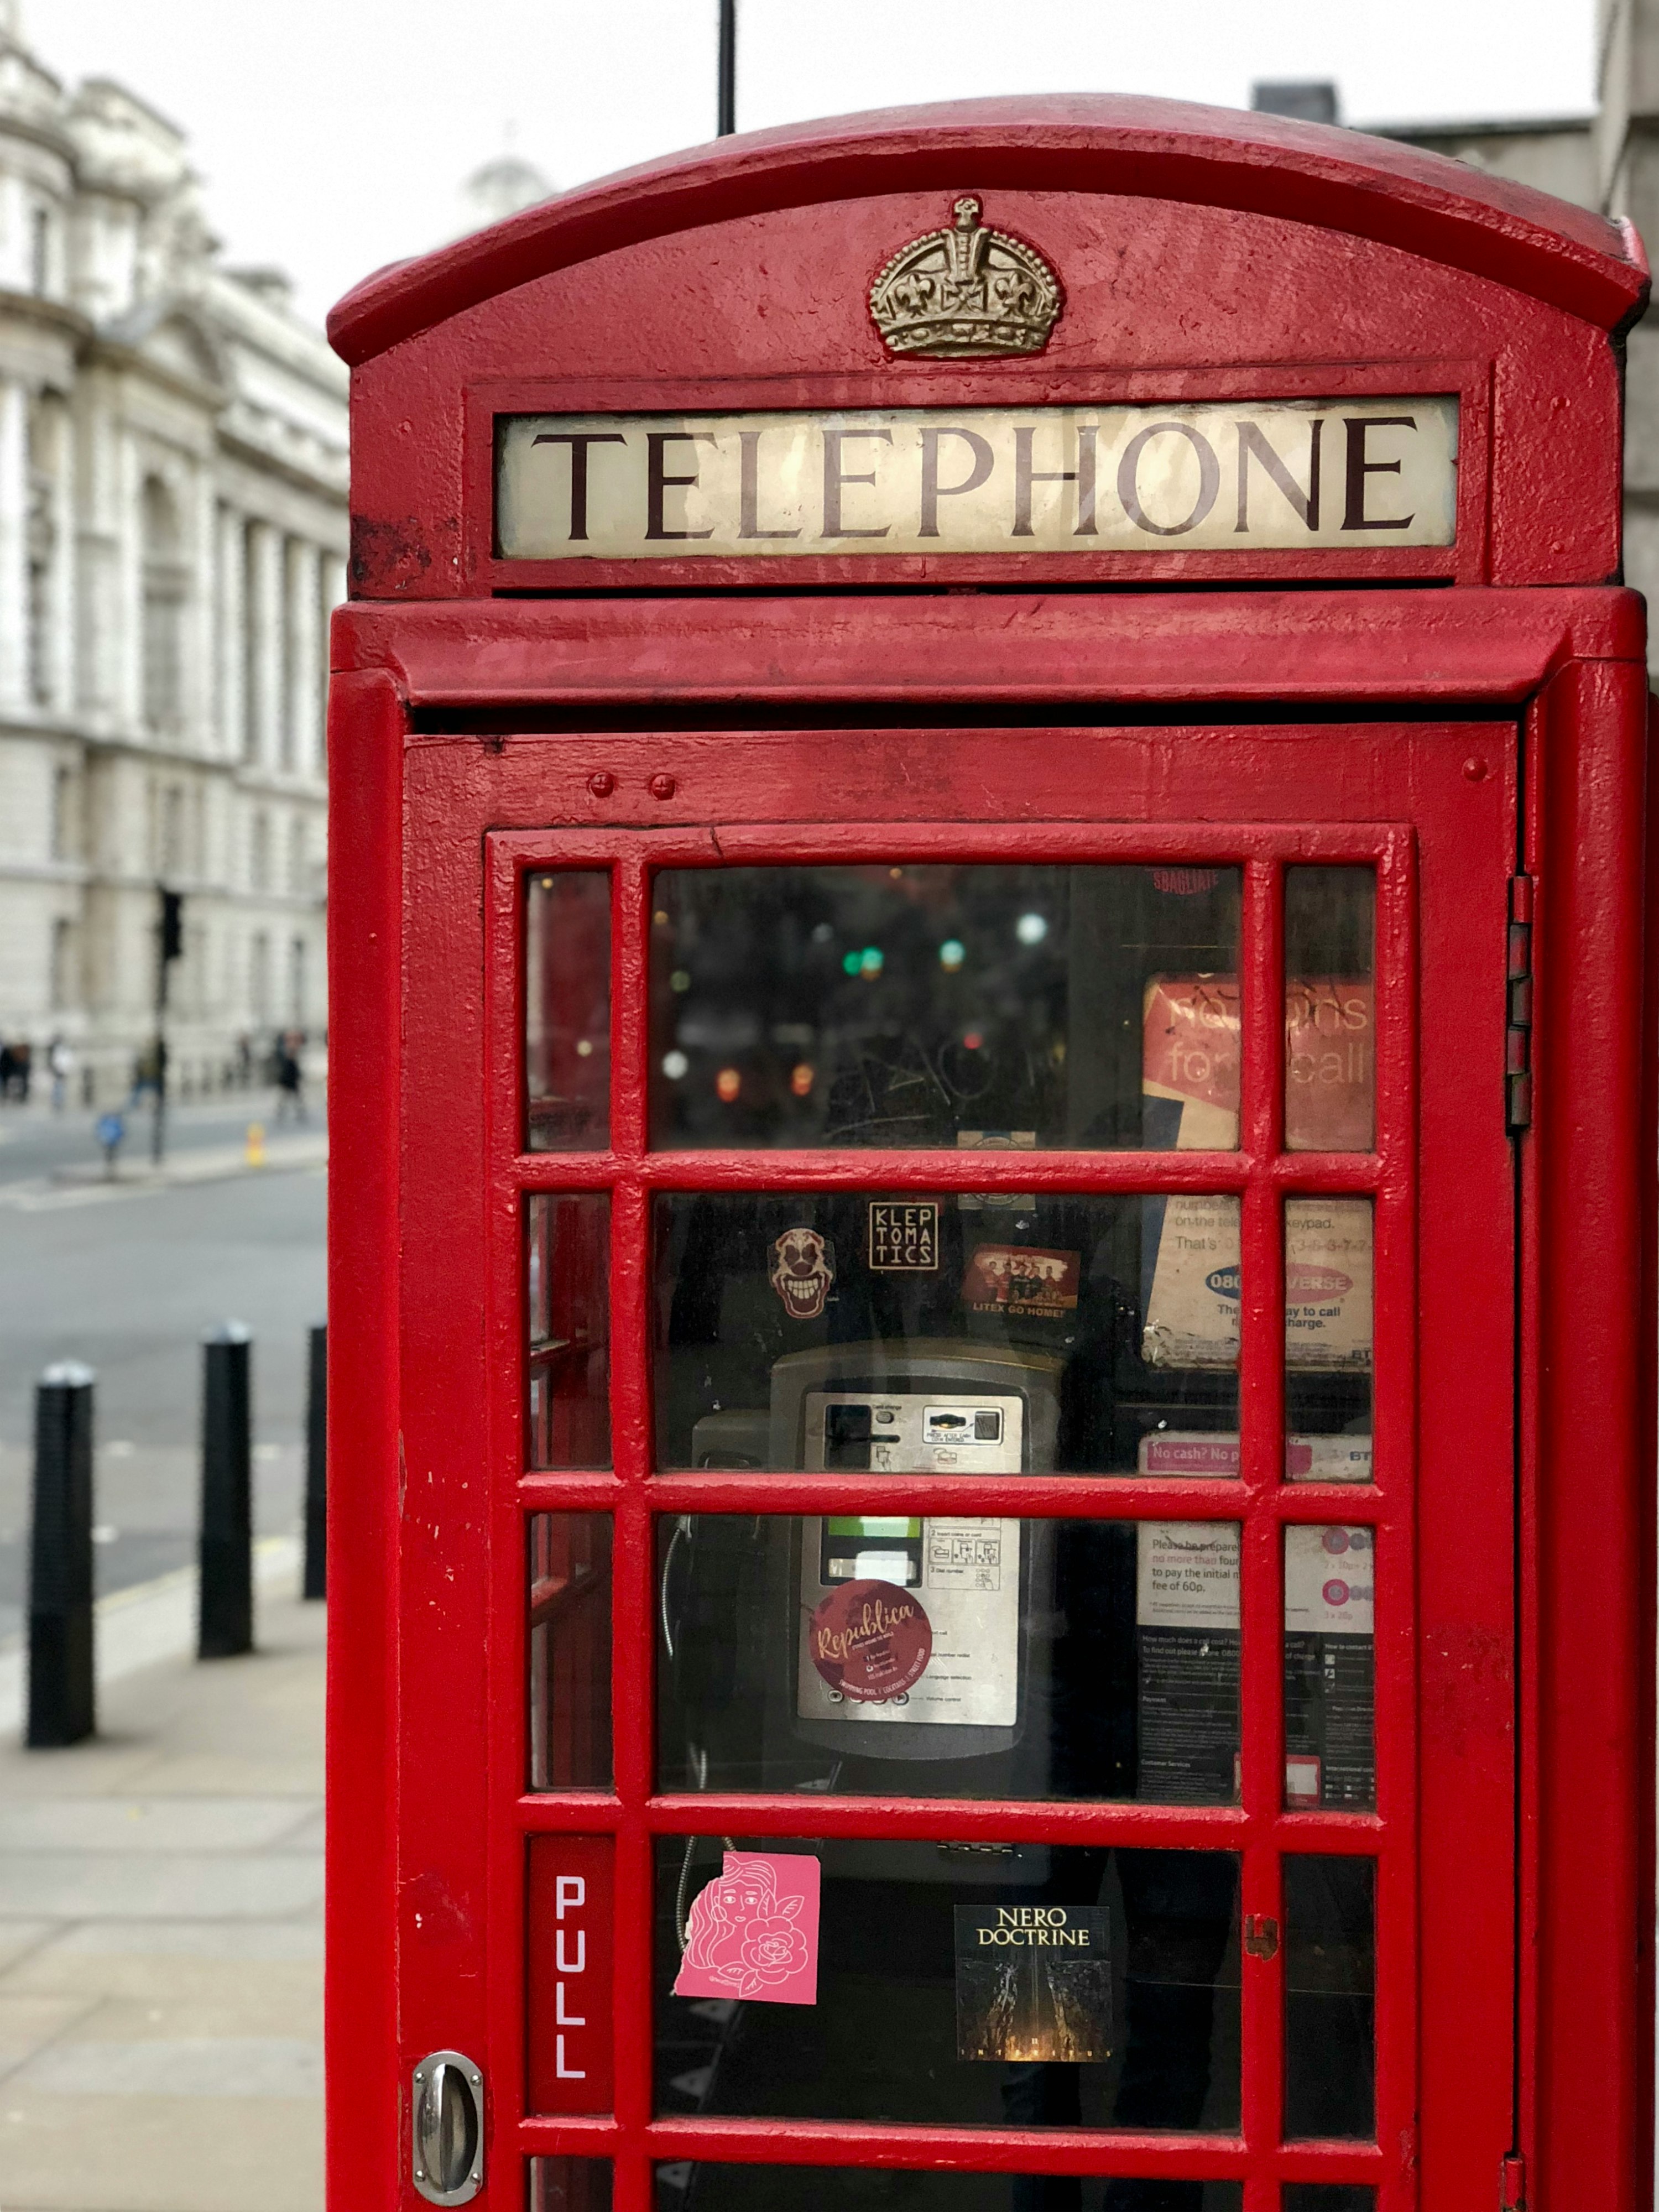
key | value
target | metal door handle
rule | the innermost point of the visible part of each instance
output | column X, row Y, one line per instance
column 446, row 2134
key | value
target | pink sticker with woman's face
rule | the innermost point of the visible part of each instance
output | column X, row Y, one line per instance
column 753, row 1931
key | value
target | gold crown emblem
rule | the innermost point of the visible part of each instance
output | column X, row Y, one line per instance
column 966, row 290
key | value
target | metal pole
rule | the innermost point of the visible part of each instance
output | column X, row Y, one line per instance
column 61, row 1703
column 159, row 1049
column 728, row 69
column 227, row 1538
column 316, row 1575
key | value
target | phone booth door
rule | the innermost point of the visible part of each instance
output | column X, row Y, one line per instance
column 998, row 1326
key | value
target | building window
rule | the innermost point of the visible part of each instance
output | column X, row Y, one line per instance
column 172, row 855
column 296, row 858
column 258, row 977
column 40, row 252
column 47, row 437
column 64, row 993
column 253, row 612
column 259, row 854
column 324, row 617
column 297, row 983
column 287, row 735
column 63, row 838
column 165, row 585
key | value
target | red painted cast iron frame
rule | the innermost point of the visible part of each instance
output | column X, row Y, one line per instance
column 1204, row 257
column 427, row 1331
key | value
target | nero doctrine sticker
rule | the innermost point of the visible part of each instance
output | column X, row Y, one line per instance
column 870, row 1641
column 1034, row 1983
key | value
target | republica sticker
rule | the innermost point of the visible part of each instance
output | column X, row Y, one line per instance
column 1019, row 1279
column 870, row 1641
column 801, row 1272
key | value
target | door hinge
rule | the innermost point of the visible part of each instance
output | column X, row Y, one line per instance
column 1517, row 1041
column 1512, row 2183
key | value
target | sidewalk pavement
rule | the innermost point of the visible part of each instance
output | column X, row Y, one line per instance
column 161, row 1942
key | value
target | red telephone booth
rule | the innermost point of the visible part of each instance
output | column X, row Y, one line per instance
column 993, row 1231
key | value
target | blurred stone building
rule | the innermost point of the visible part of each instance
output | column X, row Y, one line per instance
column 1607, row 161
column 172, row 535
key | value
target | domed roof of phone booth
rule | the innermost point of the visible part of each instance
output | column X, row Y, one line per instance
column 1335, row 179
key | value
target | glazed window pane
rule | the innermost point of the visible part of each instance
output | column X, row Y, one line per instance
column 569, row 1647
column 1330, row 1996
column 569, row 2184
column 567, row 1016
column 949, row 1656
column 1329, row 1267
column 708, row 2188
column 1330, row 1755
column 1330, row 1026
column 1101, row 1333
column 568, row 1300
column 1148, row 2014
column 951, row 1005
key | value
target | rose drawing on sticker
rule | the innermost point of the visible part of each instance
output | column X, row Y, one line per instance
column 774, row 1949
column 741, row 1933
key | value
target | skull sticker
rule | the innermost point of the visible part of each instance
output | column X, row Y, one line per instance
column 801, row 1272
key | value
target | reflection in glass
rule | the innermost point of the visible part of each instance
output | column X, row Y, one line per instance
column 1330, row 1057
column 903, row 1991
column 1327, row 2196
column 949, row 1656
column 1095, row 1335
column 568, row 1241
column 1328, row 1338
column 570, row 1622
column 703, row 2188
column 567, row 1015
column 1330, row 1757
column 569, row 2184
column 1330, row 1996
column 945, row 1005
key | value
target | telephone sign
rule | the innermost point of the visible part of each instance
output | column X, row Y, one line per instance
column 995, row 1138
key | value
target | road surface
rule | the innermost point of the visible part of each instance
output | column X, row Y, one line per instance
column 128, row 1280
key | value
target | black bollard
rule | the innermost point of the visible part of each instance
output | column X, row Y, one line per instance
column 61, row 1706
column 227, row 1538
column 316, row 1571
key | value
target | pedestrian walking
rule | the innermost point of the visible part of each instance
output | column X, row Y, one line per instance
column 290, row 1078
column 60, row 1066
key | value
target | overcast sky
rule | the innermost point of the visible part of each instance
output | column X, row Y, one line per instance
column 333, row 135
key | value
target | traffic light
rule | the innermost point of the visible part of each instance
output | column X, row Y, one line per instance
column 172, row 925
